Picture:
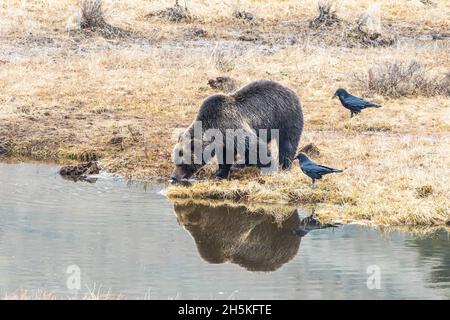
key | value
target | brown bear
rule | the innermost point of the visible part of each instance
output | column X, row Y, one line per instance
column 252, row 116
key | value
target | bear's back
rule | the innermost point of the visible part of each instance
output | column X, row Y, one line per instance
column 214, row 106
column 260, row 104
column 262, row 88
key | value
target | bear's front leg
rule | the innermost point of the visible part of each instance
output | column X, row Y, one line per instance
column 223, row 172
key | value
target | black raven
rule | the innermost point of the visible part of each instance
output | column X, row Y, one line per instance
column 352, row 103
column 313, row 170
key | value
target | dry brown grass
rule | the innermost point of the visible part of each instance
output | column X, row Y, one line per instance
column 379, row 184
column 396, row 79
column 92, row 15
column 176, row 13
column 66, row 96
column 94, row 293
column 326, row 17
column 93, row 20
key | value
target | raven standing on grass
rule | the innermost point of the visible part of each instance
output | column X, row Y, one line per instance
column 352, row 103
column 314, row 170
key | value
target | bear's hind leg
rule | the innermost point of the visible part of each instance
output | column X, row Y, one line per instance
column 264, row 155
column 223, row 172
column 286, row 154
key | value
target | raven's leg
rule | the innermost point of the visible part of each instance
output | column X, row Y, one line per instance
column 313, row 183
column 351, row 114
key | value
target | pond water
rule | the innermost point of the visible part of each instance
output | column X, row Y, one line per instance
column 128, row 239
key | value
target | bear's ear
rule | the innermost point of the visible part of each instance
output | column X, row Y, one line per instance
column 177, row 135
column 181, row 136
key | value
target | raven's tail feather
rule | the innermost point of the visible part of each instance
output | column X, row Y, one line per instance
column 332, row 170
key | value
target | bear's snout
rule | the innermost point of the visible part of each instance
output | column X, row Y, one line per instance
column 181, row 172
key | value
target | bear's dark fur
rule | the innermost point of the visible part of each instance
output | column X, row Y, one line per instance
column 259, row 105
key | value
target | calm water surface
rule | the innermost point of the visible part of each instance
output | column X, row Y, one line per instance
column 130, row 240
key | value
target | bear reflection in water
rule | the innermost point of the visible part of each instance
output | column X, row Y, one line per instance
column 255, row 241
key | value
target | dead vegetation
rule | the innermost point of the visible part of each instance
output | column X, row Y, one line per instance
column 177, row 13
column 399, row 79
column 3, row 150
column 224, row 61
column 428, row 3
column 92, row 16
column 197, row 32
column 366, row 32
column 326, row 18
column 367, row 35
column 93, row 20
column 424, row 191
column 244, row 15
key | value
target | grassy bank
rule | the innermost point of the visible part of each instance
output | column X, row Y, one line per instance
column 117, row 92
column 388, row 179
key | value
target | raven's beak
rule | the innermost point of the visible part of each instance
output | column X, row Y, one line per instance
column 334, row 96
column 173, row 179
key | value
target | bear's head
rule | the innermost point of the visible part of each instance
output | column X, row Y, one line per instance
column 187, row 156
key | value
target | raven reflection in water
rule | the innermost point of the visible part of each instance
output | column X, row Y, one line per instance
column 352, row 103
